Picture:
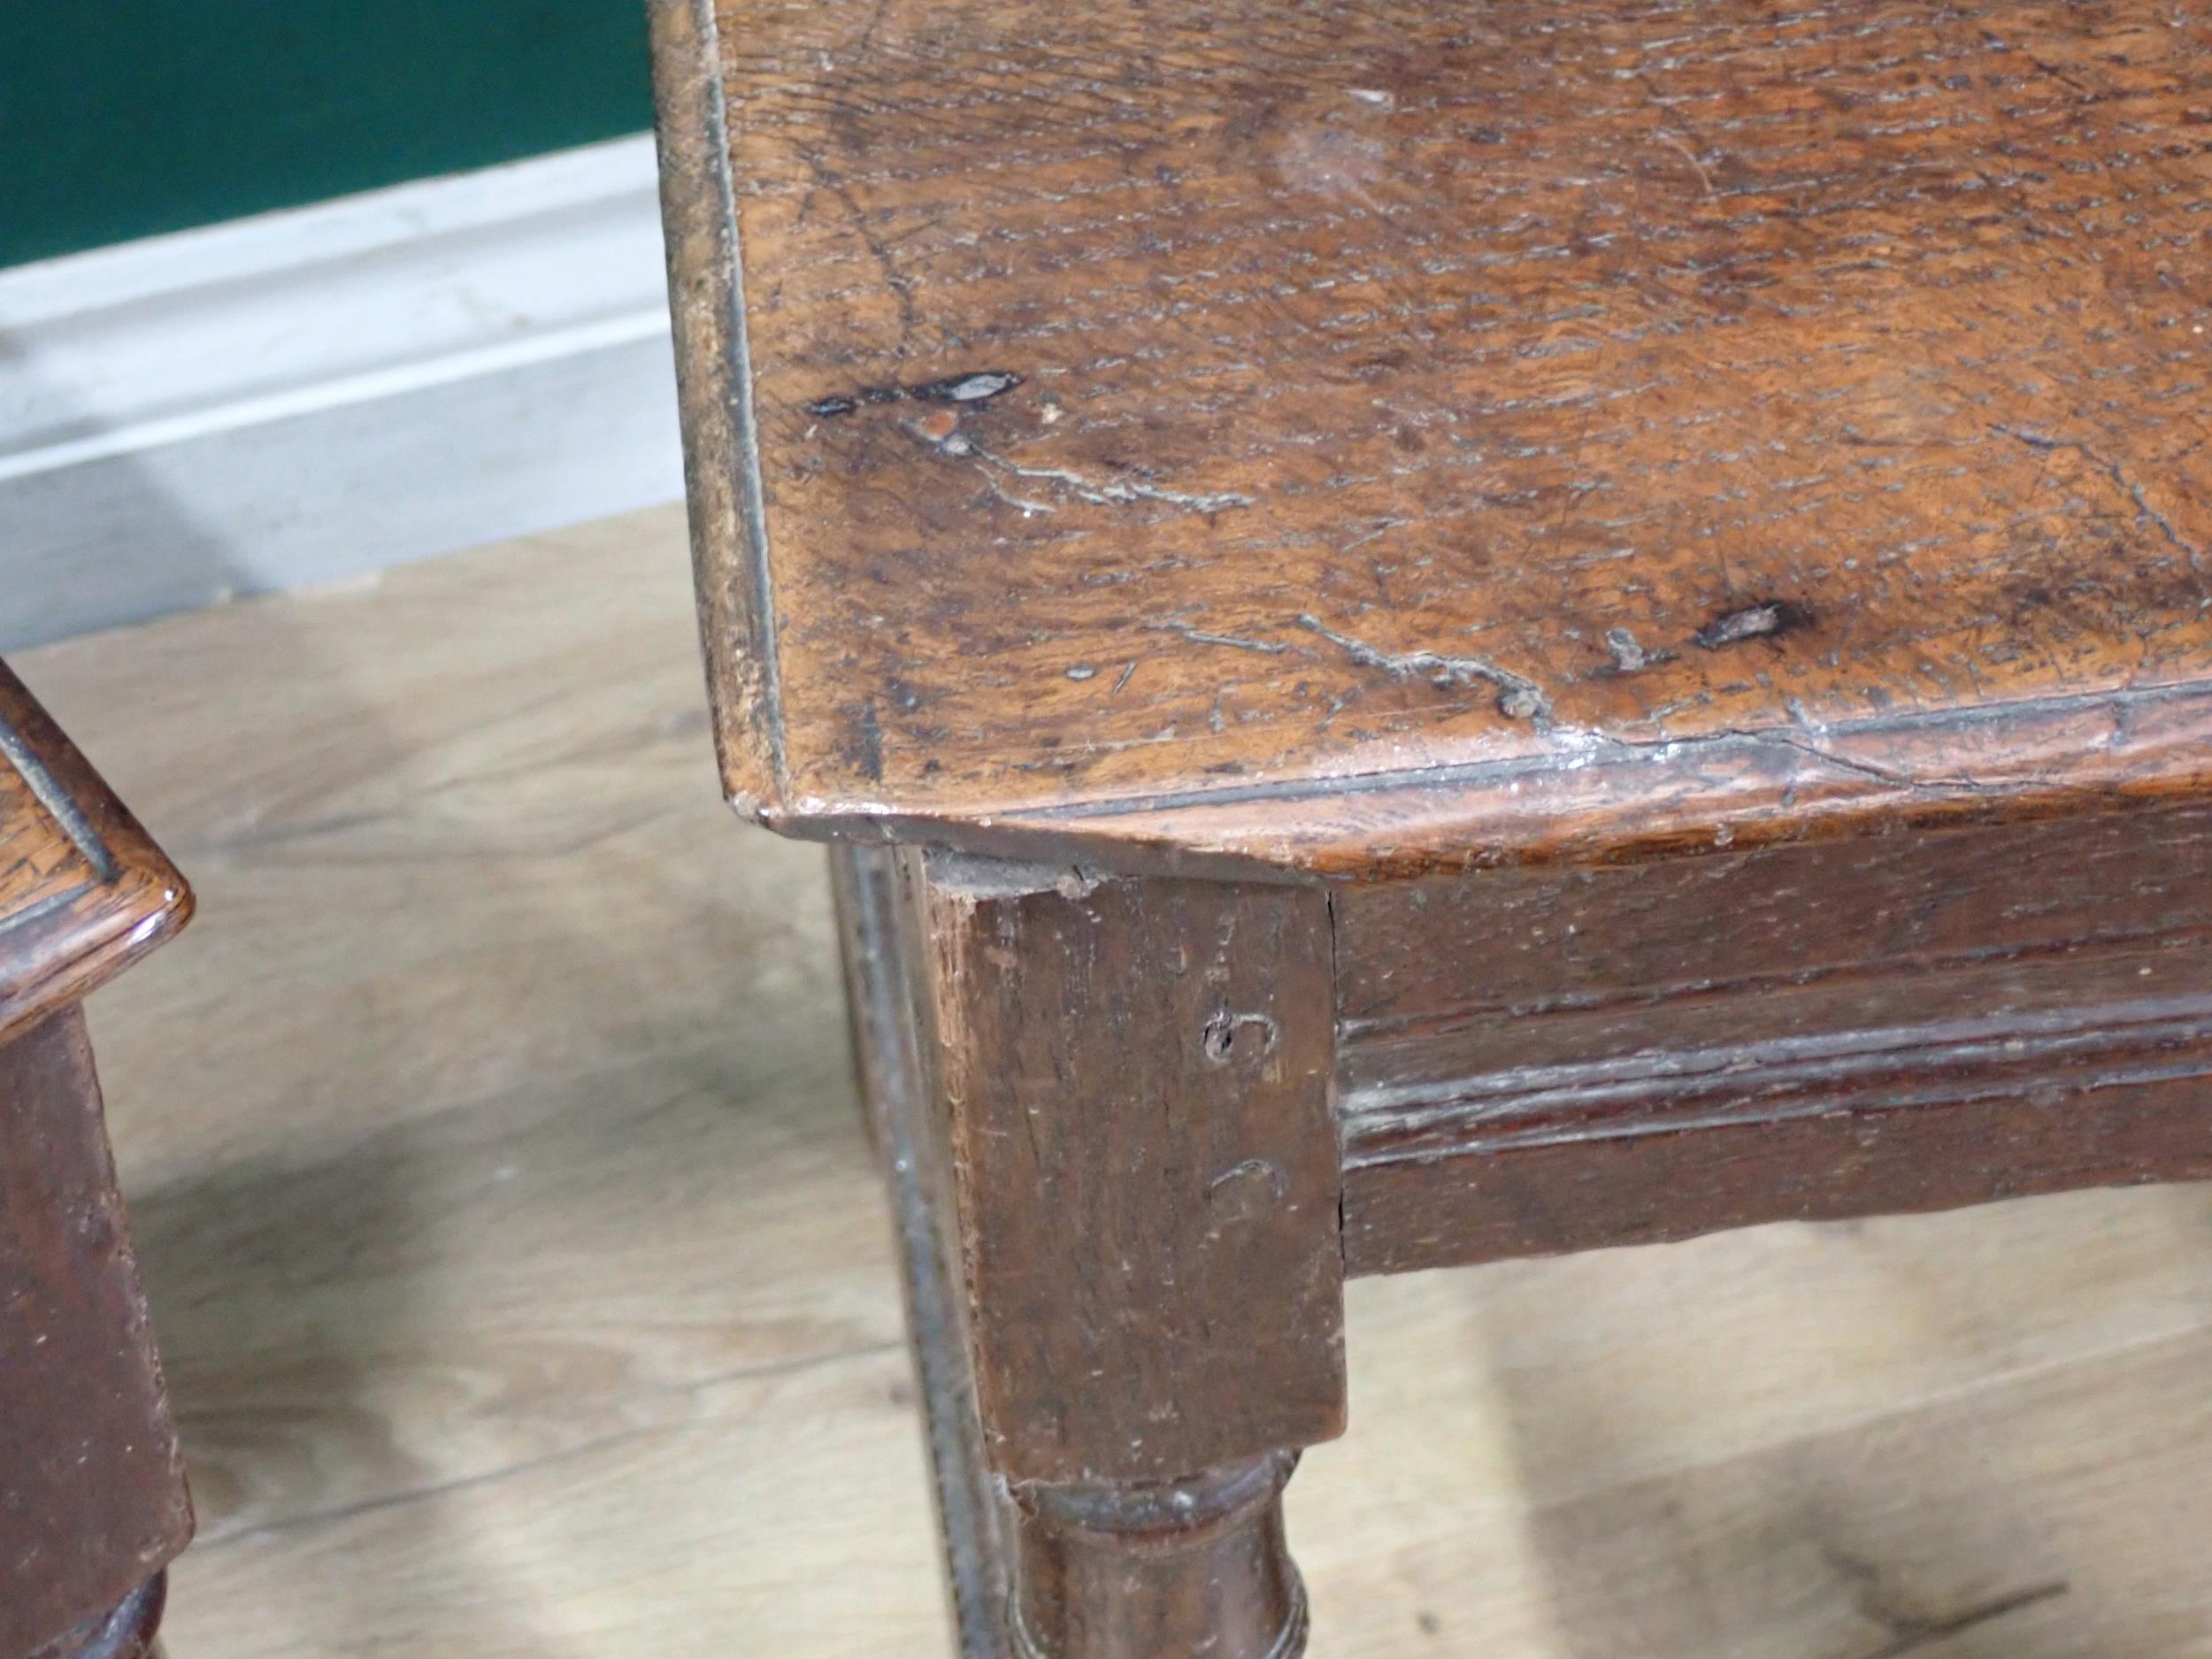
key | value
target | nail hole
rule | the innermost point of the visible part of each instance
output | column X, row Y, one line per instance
column 1219, row 1038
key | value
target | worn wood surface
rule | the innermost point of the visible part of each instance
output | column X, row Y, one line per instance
column 912, row 1142
column 92, row 1494
column 132, row 1630
column 1548, row 1059
column 1502, row 964
column 2077, row 1127
column 1196, row 1565
column 82, row 890
column 524, row 1282
column 1090, row 1570
column 1302, row 433
column 1135, row 1079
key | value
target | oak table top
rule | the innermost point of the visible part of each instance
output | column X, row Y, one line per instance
column 83, row 890
column 1384, row 436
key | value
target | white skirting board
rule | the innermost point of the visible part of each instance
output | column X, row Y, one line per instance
column 312, row 394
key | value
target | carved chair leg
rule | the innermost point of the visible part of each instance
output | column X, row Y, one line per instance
column 1127, row 1145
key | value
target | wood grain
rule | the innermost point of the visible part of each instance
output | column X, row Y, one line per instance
column 39, row 863
column 1483, row 959
column 82, row 890
column 524, row 1280
column 1545, row 1059
column 92, row 1495
column 1093, row 1568
column 1842, row 1154
column 974, row 1527
column 1372, row 435
column 1194, row 1565
column 1547, row 1003
column 1134, row 1079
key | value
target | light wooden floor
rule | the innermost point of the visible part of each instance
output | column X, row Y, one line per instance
column 525, row 1290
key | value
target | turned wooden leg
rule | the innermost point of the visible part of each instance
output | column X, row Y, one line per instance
column 1106, row 1105
column 1189, row 1566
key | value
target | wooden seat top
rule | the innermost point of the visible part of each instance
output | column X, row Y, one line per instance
column 82, row 889
column 1384, row 436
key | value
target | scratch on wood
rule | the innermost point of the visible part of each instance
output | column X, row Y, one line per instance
column 1024, row 504
column 2113, row 470
column 1199, row 636
column 1520, row 698
column 1950, row 783
column 1113, row 492
column 1690, row 156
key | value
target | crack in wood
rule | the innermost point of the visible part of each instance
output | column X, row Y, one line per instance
column 1519, row 697
column 1106, row 492
column 2144, row 511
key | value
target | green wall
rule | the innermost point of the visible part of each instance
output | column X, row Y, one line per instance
column 126, row 117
